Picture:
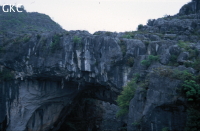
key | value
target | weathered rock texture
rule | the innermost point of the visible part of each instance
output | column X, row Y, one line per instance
column 70, row 80
column 46, row 78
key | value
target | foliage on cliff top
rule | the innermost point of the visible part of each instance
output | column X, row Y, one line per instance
column 24, row 22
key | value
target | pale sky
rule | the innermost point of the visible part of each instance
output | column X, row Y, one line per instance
column 101, row 15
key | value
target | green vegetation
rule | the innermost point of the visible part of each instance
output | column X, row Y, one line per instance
column 43, row 41
column 122, row 128
column 137, row 123
column 26, row 38
column 173, row 60
column 193, row 120
column 165, row 129
column 67, row 33
column 196, row 64
column 72, row 126
column 108, row 33
column 55, row 43
column 193, row 60
column 97, row 33
column 130, row 61
column 126, row 95
column 153, row 58
column 190, row 86
column 129, row 35
column 191, row 91
column 146, row 63
column 6, row 75
column 17, row 40
column 140, row 26
column 24, row 22
column 38, row 36
column 150, row 59
column 174, row 74
column 193, row 52
column 77, row 40
column 146, row 43
column 2, row 49
column 183, row 45
column 123, row 47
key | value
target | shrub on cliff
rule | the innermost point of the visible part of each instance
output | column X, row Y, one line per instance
column 76, row 40
column 55, row 43
column 129, row 35
column 150, row 59
column 126, row 95
column 193, row 120
column 130, row 61
column 140, row 26
column 6, row 75
column 192, row 90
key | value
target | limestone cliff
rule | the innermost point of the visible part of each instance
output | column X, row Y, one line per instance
column 51, row 79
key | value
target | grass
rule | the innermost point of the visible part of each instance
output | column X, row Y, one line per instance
column 183, row 45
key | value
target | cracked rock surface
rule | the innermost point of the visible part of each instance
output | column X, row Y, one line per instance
column 69, row 80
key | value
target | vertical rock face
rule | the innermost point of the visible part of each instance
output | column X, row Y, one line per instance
column 160, row 107
column 190, row 8
column 70, row 80
column 48, row 79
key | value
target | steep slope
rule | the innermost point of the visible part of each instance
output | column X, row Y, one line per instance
column 58, row 80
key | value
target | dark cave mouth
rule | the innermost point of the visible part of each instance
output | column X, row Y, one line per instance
column 86, row 115
column 89, row 114
column 84, row 109
column 88, row 110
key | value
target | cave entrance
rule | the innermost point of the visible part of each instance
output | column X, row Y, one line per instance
column 94, row 109
column 87, row 114
column 76, row 107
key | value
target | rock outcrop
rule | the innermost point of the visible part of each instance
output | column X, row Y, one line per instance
column 70, row 80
